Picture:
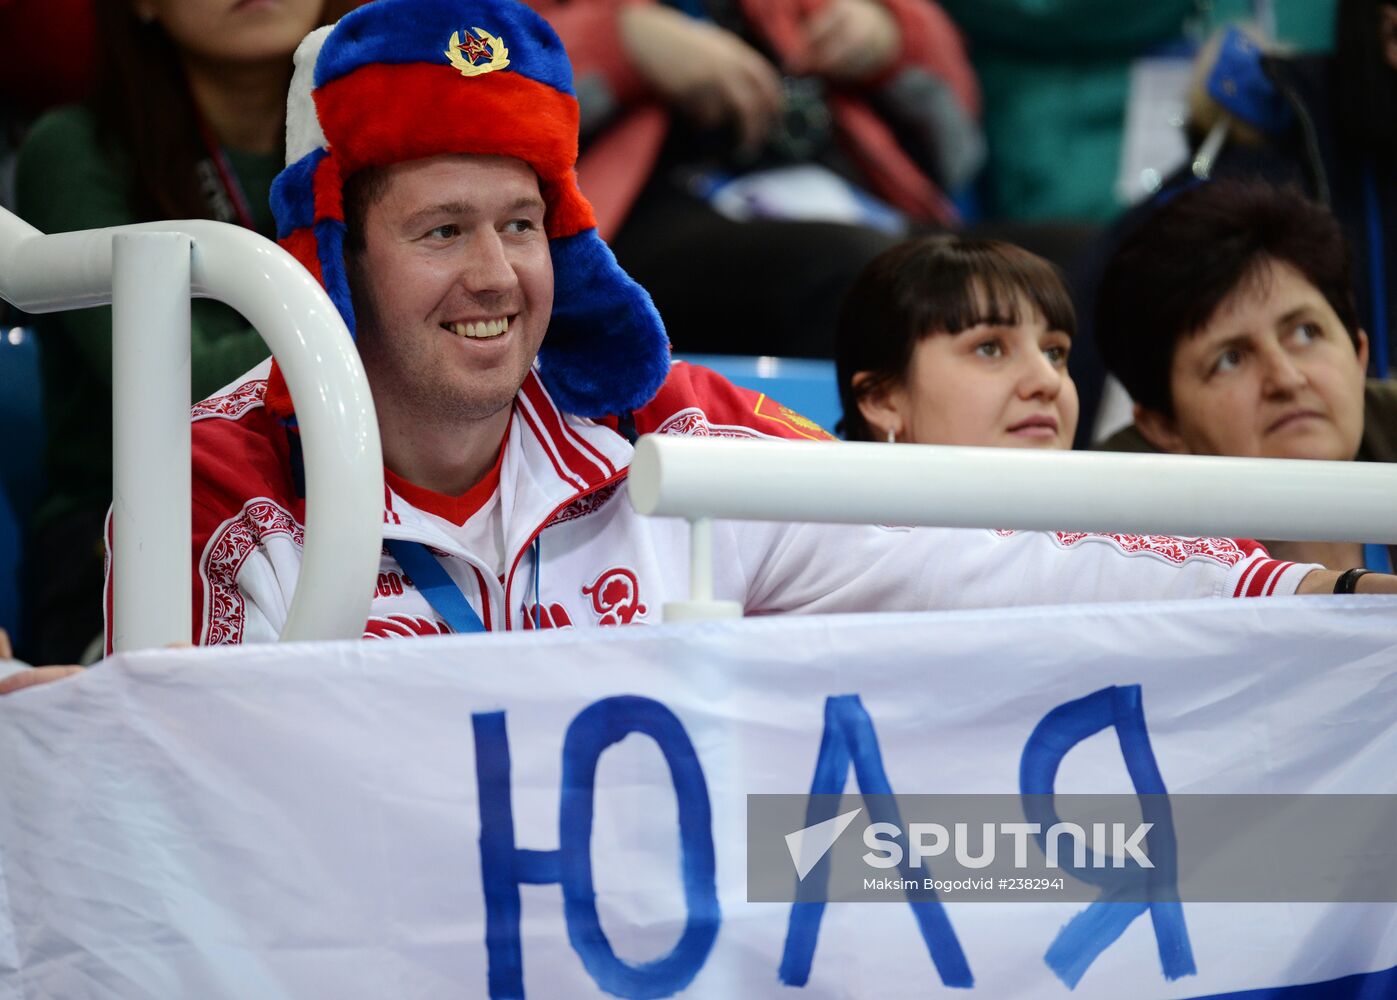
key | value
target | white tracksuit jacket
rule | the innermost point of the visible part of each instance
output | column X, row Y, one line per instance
column 561, row 480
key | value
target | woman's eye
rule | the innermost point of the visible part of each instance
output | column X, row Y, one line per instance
column 1228, row 360
column 989, row 349
column 1308, row 333
column 1057, row 354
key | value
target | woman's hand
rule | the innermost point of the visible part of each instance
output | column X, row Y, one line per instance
column 29, row 676
column 849, row 41
column 1321, row 581
column 706, row 72
column 35, row 675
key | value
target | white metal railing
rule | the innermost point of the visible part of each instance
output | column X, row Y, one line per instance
column 149, row 272
column 1284, row 500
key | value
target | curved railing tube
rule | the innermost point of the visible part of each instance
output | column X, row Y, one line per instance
column 339, row 430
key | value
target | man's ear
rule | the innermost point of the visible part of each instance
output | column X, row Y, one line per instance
column 1159, row 430
column 883, row 407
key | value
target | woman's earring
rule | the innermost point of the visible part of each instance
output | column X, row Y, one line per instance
column 892, row 436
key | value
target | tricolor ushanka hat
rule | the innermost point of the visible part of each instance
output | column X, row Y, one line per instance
column 399, row 80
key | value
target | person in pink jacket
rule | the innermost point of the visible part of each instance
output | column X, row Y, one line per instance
column 747, row 158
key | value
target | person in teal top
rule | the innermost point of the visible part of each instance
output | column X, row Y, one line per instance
column 1056, row 80
column 186, row 121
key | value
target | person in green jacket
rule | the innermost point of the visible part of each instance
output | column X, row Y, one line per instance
column 186, row 121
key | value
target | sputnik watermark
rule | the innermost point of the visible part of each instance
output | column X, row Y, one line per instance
column 930, row 840
column 809, row 844
column 1108, row 845
column 1125, row 848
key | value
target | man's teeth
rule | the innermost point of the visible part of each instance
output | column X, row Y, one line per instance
column 483, row 329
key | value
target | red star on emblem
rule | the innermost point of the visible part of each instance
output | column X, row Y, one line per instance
column 473, row 48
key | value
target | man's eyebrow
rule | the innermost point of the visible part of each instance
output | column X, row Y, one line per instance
column 441, row 208
column 526, row 202
column 455, row 208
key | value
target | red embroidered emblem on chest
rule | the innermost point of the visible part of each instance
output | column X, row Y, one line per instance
column 544, row 616
column 403, row 626
column 615, row 597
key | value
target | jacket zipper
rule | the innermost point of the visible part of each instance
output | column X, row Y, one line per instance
column 528, row 543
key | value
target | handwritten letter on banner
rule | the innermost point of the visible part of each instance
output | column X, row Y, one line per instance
column 564, row 814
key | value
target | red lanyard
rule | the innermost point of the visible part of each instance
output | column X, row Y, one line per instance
column 229, row 203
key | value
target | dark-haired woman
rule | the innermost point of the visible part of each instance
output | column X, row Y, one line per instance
column 1229, row 316
column 186, row 121
column 947, row 340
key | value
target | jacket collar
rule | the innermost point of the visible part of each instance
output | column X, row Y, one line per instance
column 550, row 459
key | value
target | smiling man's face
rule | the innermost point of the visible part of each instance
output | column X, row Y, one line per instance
column 1273, row 374
column 452, row 284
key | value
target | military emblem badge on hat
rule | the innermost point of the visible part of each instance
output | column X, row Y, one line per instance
column 399, row 80
column 465, row 55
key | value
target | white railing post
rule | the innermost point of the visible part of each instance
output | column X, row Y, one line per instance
column 700, row 605
column 151, row 520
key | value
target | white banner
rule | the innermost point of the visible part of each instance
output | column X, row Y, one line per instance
column 309, row 821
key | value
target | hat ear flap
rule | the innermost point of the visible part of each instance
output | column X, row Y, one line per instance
column 306, row 201
column 606, row 351
column 293, row 194
column 329, row 241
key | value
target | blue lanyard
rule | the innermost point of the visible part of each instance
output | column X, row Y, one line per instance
column 441, row 591
column 538, row 575
column 435, row 585
column 1377, row 272
column 1377, row 558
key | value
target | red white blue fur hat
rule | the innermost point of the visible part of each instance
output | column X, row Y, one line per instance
column 399, row 80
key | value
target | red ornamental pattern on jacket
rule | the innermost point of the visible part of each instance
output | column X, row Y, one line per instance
column 1226, row 551
column 232, row 405
column 1176, row 550
column 586, row 504
column 260, row 519
column 693, row 422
